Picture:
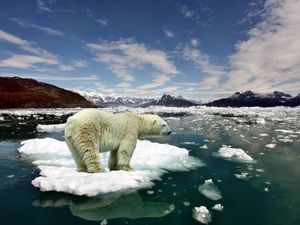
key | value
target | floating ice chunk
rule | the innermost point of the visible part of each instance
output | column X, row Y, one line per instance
column 266, row 189
column 263, row 135
column 233, row 154
column 260, row 121
column 242, row 176
column 204, row 146
column 58, row 172
column 202, row 214
column 50, row 128
column 104, row 222
column 190, row 143
column 186, row 203
column 210, row 190
column 218, row 207
column 285, row 131
column 270, row 145
column 260, row 170
column 285, row 140
column 149, row 192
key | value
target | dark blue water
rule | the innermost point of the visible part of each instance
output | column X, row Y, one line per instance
column 271, row 196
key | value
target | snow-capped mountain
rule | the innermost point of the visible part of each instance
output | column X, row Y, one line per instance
column 250, row 98
column 110, row 100
column 171, row 101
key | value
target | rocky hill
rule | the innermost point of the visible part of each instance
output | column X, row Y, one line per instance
column 251, row 99
column 19, row 92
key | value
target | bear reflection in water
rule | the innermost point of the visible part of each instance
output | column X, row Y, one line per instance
column 109, row 206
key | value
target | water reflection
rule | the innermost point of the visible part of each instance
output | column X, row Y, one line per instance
column 108, row 206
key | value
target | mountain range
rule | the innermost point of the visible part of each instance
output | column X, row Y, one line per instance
column 111, row 101
column 19, row 92
column 251, row 99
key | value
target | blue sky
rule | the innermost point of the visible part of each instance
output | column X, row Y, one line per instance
column 201, row 50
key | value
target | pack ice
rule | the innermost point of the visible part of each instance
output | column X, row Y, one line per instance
column 58, row 171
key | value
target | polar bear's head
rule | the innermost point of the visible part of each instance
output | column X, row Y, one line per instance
column 156, row 125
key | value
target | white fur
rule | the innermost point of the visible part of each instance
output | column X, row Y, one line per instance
column 91, row 131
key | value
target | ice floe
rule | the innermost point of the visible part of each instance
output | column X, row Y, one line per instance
column 204, row 146
column 242, row 176
column 210, row 190
column 270, row 145
column 260, row 121
column 202, row 215
column 50, row 128
column 218, row 207
column 285, row 140
column 233, row 154
column 58, row 173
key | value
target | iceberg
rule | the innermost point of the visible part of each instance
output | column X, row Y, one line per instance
column 202, row 214
column 270, row 145
column 233, row 154
column 50, row 128
column 218, row 207
column 210, row 190
column 58, row 170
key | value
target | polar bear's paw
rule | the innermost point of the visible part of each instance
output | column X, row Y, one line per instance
column 125, row 168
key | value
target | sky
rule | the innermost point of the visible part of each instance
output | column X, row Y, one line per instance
column 199, row 49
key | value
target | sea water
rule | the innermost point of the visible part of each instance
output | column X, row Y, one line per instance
column 264, row 191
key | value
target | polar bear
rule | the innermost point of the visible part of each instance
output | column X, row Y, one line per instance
column 91, row 131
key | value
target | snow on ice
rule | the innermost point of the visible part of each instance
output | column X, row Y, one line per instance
column 58, row 172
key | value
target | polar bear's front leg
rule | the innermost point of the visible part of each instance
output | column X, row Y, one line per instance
column 124, row 154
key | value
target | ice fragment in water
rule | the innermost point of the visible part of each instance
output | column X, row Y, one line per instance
column 58, row 171
column 202, row 214
column 210, row 190
column 233, row 154
column 218, row 207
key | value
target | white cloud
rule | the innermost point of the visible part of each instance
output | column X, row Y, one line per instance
column 270, row 58
column 66, row 68
column 187, row 12
column 26, row 61
column 40, row 56
column 123, row 85
column 123, row 57
column 4, row 36
column 42, row 6
column 49, row 77
column 26, row 24
column 79, row 63
column 202, row 61
column 102, row 21
column 25, row 45
column 168, row 33
column 157, row 81
column 195, row 42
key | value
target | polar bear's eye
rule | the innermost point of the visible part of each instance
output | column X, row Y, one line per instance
column 164, row 125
